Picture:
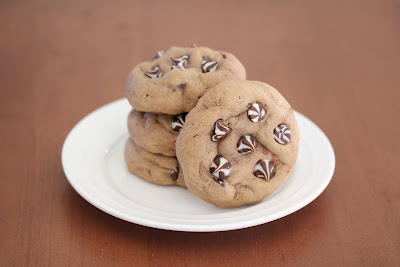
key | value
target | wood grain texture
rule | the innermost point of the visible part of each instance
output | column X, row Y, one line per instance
column 337, row 62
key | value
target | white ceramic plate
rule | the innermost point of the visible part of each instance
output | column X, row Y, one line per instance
column 93, row 162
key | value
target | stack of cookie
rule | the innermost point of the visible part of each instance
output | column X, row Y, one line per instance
column 162, row 92
column 199, row 124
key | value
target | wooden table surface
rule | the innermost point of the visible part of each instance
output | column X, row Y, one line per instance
column 337, row 62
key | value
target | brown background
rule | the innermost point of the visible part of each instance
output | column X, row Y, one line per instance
column 337, row 62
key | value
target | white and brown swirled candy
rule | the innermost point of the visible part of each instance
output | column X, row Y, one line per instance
column 256, row 112
column 220, row 169
column 174, row 172
column 208, row 66
column 282, row 134
column 246, row 144
column 158, row 54
column 264, row 169
column 177, row 122
column 220, row 130
column 154, row 73
column 180, row 63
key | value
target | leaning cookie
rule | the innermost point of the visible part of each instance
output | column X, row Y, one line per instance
column 239, row 144
column 173, row 82
column 155, row 133
column 151, row 167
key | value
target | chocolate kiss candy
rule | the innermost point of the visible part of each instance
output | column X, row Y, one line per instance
column 158, row 55
column 220, row 130
column 154, row 73
column 221, row 167
column 282, row 134
column 174, row 172
column 208, row 66
column 256, row 112
column 264, row 169
column 246, row 144
column 178, row 121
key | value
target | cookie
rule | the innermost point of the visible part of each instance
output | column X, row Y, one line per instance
column 154, row 168
column 173, row 82
column 155, row 133
column 239, row 144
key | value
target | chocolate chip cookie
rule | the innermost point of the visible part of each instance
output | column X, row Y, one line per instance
column 155, row 133
column 239, row 144
column 157, row 169
column 173, row 82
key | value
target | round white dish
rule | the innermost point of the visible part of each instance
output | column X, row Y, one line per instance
column 93, row 161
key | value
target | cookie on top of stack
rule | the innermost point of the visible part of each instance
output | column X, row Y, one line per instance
column 162, row 91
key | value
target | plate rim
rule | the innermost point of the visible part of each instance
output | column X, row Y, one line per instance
column 195, row 228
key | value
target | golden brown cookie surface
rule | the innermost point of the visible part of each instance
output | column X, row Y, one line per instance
column 157, row 169
column 155, row 133
column 173, row 82
column 239, row 144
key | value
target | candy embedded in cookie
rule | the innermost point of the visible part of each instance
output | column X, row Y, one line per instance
column 154, row 168
column 174, row 172
column 220, row 169
column 209, row 66
column 156, row 86
column 180, row 63
column 246, row 144
column 220, row 130
column 282, row 134
column 264, row 169
column 256, row 112
column 242, row 144
column 178, row 121
column 154, row 73
column 153, row 132
column 158, row 55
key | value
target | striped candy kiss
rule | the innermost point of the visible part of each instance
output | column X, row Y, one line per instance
column 256, row 112
column 246, row 144
column 282, row 134
column 174, row 172
column 180, row 63
column 264, row 169
column 220, row 130
column 220, row 168
column 154, row 73
column 209, row 66
column 158, row 55
column 177, row 122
